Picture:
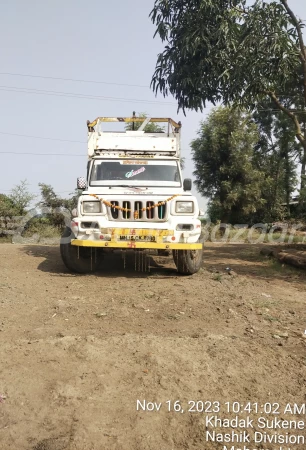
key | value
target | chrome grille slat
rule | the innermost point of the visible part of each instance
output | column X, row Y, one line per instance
column 156, row 214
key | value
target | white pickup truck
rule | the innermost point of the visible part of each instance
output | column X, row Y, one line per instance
column 134, row 199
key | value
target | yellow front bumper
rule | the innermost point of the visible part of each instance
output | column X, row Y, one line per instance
column 136, row 244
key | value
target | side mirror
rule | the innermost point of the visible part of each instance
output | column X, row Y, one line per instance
column 187, row 184
column 81, row 183
column 201, row 213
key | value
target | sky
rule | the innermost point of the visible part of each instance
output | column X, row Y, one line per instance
column 107, row 45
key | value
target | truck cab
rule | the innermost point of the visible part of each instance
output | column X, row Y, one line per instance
column 134, row 198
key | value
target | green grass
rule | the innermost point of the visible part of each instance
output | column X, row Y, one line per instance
column 217, row 277
column 270, row 318
column 44, row 230
column 6, row 239
column 294, row 239
column 272, row 267
column 277, row 266
column 264, row 303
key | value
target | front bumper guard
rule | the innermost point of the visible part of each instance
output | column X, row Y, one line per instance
column 137, row 244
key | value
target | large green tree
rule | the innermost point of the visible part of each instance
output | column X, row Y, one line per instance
column 223, row 155
column 276, row 155
column 232, row 52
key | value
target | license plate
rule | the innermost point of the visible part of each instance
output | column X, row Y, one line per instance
column 137, row 234
column 137, row 238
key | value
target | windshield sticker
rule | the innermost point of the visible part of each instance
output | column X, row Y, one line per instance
column 132, row 173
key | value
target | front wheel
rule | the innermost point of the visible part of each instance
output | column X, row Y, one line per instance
column 77, row 259
column 188, row 262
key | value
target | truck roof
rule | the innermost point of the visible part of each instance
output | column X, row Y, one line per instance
column 134, row 119
column 134, row 141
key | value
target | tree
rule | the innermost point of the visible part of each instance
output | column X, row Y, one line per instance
column 275, row 155
column 226, row 50
column 287, row 152
column 7, row 207
column 7, row 212
column 223, row 156
column 56, row 204
column 14, row 205
column 151, row 127
column 21, row 197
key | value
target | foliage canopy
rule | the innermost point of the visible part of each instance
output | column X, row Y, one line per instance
column 223, row 155
column 226, row 50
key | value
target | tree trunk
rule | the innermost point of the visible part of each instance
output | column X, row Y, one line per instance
column 303, row 167
column 287, row 180
column 275, row 193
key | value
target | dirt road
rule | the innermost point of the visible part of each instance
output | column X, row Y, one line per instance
column 77, row 352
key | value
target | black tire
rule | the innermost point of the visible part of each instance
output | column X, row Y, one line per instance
column 188, row 262
column 77, row 259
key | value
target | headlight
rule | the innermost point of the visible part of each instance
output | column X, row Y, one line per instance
column 184, row 207
column 91, row 207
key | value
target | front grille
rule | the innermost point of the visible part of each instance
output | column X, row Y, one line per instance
column 122, row 210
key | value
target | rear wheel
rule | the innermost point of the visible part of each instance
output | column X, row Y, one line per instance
column 188, row 262
column 77, row 259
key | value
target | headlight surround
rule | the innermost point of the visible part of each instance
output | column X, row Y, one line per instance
column 184, row 207
column 91, row 207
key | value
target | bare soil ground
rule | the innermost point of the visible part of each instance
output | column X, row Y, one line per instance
column 77, row 351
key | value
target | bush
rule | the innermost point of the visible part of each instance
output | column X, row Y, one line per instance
column 42, row 226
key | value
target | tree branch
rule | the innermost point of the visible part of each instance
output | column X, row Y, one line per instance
column 297, row 25
column 298, row 131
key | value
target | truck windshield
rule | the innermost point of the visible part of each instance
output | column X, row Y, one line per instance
column 135, row 172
